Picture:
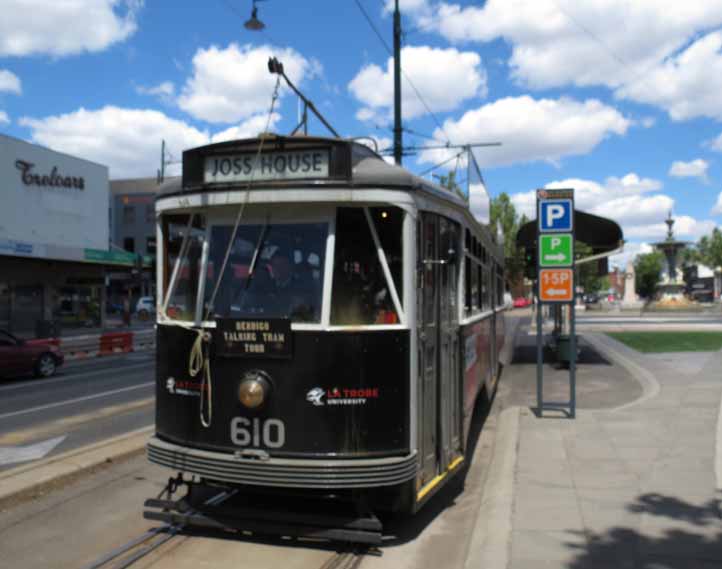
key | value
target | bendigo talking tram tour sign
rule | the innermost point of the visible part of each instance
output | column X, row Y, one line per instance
column 555, row 279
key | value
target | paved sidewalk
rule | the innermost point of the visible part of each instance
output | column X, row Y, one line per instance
column 630, row 483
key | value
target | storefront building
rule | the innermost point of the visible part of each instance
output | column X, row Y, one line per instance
column 133, row 230
column 54, row 240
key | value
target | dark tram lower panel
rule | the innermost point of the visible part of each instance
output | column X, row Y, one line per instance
column 335, row 425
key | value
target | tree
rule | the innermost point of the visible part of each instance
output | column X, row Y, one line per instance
column 647, row 268
column 709, row 249
column 503, row 215
column 588, row 273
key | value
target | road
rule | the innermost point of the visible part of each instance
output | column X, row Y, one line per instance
column 85, row 402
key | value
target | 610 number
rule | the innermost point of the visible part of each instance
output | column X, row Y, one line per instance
column 251, row 432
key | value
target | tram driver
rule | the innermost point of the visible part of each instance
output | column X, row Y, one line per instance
column 281, row 288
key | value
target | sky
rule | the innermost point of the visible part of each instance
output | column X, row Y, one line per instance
column 619, row 99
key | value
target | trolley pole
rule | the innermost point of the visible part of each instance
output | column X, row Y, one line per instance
column 397, row 85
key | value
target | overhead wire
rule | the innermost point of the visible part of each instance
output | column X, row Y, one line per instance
column 408, row 79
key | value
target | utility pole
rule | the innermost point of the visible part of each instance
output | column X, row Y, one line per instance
column 161, row 172
column 397, row 85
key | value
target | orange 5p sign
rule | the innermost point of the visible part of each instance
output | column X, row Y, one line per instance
column 556, row 285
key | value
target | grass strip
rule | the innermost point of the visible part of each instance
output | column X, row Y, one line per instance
column 660, row 342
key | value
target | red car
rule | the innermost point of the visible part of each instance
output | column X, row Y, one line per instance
column 19, row 357
column 521, row 302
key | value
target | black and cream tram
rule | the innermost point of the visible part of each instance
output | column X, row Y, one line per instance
column 327, row 321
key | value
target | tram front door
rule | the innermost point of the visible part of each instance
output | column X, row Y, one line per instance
column 438, row 330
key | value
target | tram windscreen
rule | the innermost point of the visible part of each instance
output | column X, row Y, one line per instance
column 274, row 270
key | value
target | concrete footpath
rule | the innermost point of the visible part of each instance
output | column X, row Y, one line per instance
column 632, row 482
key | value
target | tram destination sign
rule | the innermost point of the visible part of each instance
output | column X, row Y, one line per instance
column 289, row 165
column 259, row 338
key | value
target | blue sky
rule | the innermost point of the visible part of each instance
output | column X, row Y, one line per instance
column 619, row 99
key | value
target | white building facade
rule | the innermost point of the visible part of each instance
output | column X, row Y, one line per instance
column 54, row 239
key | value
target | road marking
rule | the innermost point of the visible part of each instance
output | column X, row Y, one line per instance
column 69, row 424
column 76, row 400
column 11, row 455
column 27, row 383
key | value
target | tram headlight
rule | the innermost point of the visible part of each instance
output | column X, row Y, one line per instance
column 253, row 390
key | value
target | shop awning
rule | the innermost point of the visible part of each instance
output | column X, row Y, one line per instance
column 601, row 234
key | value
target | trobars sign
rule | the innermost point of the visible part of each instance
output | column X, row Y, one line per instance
column 265, row 167
column 54, row 179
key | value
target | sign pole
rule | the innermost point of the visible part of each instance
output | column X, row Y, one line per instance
column 556, row 280
column 539, row 355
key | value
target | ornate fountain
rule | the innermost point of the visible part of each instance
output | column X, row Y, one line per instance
column 671, row 289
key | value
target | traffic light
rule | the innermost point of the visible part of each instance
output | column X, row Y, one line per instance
column 530, row 262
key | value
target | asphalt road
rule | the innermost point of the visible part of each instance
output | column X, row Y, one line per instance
column 85, row 402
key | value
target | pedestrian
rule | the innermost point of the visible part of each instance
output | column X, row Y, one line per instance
column 126, row 310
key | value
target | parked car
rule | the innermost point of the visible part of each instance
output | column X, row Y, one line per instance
column 591, row 298
column 521, row 302
column 19, row 357
column 145, row 306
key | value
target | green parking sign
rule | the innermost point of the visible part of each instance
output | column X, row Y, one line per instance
column 556, row 250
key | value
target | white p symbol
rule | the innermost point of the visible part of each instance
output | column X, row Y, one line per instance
column 556, row 242
column 554, row 212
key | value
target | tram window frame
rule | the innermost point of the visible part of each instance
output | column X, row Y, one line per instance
column 169, row 288
column 369, row 311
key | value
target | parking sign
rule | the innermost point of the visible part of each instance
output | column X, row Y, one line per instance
column 556, row 215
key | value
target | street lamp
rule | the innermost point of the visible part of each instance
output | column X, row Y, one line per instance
column 254, row 23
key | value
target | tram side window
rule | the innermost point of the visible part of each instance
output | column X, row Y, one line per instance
column 182, row 301
column 360, row 293
column 388, row 222
column 467, row 286
column 474, row 286
column 485, row 296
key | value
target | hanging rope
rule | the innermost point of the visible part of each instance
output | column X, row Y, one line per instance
column 198, row 361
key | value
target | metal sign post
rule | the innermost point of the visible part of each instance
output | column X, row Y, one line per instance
column 555, row 278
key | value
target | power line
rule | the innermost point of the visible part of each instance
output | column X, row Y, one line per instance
column 411, row 83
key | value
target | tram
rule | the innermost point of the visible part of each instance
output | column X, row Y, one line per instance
column 326, row 322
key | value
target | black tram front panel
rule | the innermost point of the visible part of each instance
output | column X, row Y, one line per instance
column 338, row 395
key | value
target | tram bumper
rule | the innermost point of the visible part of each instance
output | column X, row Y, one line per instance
column 284, row 472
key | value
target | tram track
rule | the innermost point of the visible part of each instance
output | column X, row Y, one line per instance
column 126, row 555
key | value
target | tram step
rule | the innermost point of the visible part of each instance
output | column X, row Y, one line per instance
column 370, row 523
column 266, row 527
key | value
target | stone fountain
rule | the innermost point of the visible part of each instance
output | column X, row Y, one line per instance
column 671, row 289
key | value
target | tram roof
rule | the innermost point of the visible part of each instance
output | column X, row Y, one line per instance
column 352, row 164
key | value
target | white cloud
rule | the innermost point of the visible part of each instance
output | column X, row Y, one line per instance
column 232, row 84
column 717, row 209
column 631, row 250
column 693, row 169
column 126, row 140
column 9, row 82
column 715, row 144
column 597, row 42
column 250, row 128
column 685, row 228
column 30, row 27
column 4, row 119
column 164, row 90
column 630, row 201
column 408, row 6
column 445, row 78
column 686, row 85
column 479, row 202
column 532, row 129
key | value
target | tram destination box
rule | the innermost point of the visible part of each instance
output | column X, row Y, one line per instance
column 260, row 338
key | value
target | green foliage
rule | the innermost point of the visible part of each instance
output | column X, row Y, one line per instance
column 587, row 272
column 503, row 215
column 709, row 249
column 449, row 182
column 647, row 268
